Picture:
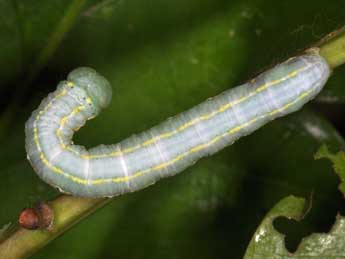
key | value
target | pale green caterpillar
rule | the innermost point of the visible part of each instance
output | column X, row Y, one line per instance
column 167, row 148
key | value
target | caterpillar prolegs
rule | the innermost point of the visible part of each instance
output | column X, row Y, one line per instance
column 167, row 148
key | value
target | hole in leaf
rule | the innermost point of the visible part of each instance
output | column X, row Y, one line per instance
column 319, row 219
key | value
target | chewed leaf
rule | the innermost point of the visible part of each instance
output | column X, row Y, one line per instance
column 267, row 242
column 338, row 161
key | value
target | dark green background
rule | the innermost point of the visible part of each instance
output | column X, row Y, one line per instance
column 163, row 57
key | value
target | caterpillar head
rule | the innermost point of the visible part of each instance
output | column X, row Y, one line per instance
column 97, row 87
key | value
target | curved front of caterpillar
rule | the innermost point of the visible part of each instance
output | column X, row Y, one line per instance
column 167, row 148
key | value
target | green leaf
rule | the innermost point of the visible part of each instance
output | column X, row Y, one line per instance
column 267, row 242
column 338, row 161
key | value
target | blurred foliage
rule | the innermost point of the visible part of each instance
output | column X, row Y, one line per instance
column 163, row 57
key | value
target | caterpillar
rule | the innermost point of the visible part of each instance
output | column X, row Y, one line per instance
column 168, row 148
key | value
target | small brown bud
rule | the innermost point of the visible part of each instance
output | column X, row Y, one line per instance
column 46, row 214
column 29, row 219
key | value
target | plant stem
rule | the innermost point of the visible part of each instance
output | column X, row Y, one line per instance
column 68, row 210
column 332, row 48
